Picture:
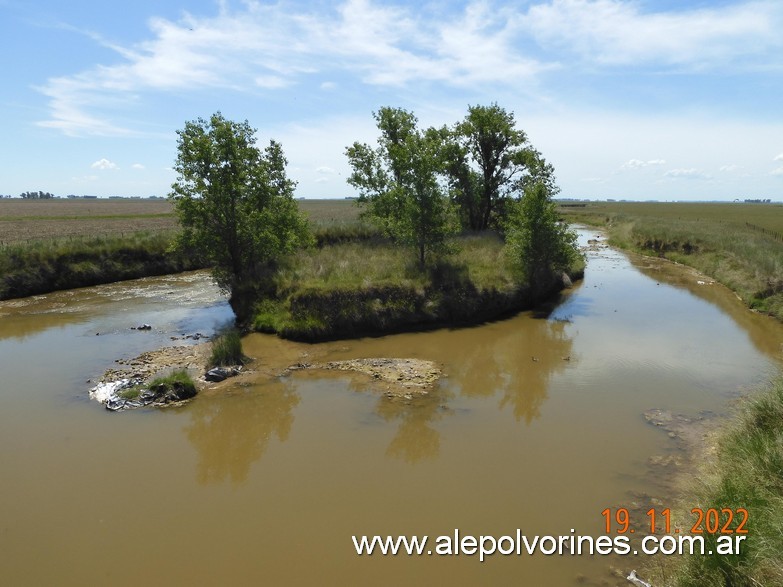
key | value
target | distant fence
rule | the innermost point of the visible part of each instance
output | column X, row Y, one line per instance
column 766, row 231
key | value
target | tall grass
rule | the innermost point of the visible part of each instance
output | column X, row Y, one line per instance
column 747, row 472
column 360, row 288
column 227, row 349
column 45, row 266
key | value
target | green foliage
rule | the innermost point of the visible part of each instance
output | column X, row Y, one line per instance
column 398, row 183
column 537, row 242
column 235, row 202
column 227, row 349
column 487, row 160
column 131, row 393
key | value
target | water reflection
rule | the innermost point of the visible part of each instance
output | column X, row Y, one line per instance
column 29, row 316
column 416, row 439
column 517, row 364
column 763, row 332
column 232, row 431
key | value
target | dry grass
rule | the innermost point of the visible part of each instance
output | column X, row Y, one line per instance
column 769, row 216
column 18, row 208
column 33, row 220
column 330, row 212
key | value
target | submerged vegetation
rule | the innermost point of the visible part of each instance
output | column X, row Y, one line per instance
column 737, row 244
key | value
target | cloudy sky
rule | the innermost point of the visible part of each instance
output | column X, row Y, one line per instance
column 637, row 99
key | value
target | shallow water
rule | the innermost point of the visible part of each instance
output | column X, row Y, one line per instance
column 537, row 425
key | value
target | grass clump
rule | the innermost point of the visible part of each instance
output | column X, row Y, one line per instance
column 131, row 393
column 180, row 380
column 227, row 349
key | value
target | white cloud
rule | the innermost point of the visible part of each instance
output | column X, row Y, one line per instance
column 272, row 82
column 620, row 32
column 729, row 168
column 690, row 173
column 137, row 166
column 638, row 163
column 778, row 171
column 779, row 157
column 269, row 47
column 325, row 170
column 104, row 164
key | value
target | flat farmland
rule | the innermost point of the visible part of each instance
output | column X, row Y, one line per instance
column 768, row 216
column 36, row 220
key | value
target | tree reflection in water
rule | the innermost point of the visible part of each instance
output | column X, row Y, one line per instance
column 416, row 439
column 515, row 363
column 232, row 431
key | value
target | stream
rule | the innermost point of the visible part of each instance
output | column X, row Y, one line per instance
column 537, row 424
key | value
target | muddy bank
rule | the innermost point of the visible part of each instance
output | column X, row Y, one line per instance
column 192, row 358
column 403, row 378
column 320, row 316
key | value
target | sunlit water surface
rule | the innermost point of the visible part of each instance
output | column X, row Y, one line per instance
column 537, row 425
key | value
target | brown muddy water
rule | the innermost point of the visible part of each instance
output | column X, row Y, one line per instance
column 537, row 425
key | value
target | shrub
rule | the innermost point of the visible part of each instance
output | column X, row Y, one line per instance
column 227, row 349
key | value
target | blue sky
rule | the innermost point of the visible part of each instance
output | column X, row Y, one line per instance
column 628, row 99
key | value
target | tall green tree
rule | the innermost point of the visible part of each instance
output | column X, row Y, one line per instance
column 235, row 204
column 538, row 244
column 488, row 160
column 399, row 186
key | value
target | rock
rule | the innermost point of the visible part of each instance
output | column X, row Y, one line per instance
column 219, row 374
column 405, row 376
column 110, row 394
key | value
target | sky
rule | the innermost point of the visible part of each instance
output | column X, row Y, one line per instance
column 628, row 99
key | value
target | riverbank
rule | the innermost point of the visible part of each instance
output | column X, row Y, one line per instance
column 739, row 477
column 46, row 266
column 738, row 245
column 351, row 290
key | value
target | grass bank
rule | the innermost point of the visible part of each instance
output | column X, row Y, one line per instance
column 747, row 472
column 353, row 289
column 739, row 245
column 44, row 266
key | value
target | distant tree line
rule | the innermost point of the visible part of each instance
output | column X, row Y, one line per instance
column 37, row 195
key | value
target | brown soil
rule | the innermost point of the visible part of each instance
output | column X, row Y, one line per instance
column 397, row 377
column 153, row 363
